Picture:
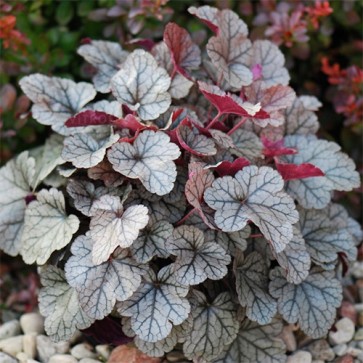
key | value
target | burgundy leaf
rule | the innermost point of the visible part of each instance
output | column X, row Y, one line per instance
column 230, row 168
column 293, row 171
column 145, row 43
column 184, row 53
column 276, row 148
column 107, row 331
column 228, row 103
column 90, row 118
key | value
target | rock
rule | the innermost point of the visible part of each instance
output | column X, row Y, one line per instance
column 62, row 358
column 360, row 357
column 76, row 338
column 347, row 310
column 360, row 345
column 62, row 347
column 288, row 337
column 32, row 361
column 126, row 354
column 354, row 352
column 360, row 318
column 45, row 348
column 83, row 350
column 359, row 307
column 10, row 329
column 30, row 345
column 318, row 361
column 89, row 360
column 5, row 358
column 32, row 323
column 175, row 357
column 22, row 357
column 358, row 334
column 344, row 333
column 346, row 359
column 357, row 269
column 300, row 356
column 340, row 349
column 320, row 349
column 103, row 350
column 13, row 345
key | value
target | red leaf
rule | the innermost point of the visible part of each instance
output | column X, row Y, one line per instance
column 145, row 43
column 184, row 53
column 229, row 104
column 90, row 118
column 231, row 168
column 276, row 148
column 301, row 171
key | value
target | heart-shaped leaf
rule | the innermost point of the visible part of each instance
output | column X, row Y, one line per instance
column 47, row 227
column 158, row 304
column 252, row 289
column 247, row 144
column 104, row 171
column 150, row 159
column 254, row 194
column 196, row 259
column 59, row 304
column 207, row 14
column 142, row 85
column 107, row 58
column 56, row 99
column 312, row 303
column 99, row 286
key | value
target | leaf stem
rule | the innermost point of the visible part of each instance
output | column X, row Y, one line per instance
column 186, row 217
column 213, row 121
column 237, row 126
column 257, row 235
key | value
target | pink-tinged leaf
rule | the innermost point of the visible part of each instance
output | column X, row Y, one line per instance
column 293, row 171
column 133, row 124
column 276, row 148
column 208, row 15
column 145, row 43
column 184, row 53
column 90, row 118
column 257, row 72
column 231, row 168
column 230, row 104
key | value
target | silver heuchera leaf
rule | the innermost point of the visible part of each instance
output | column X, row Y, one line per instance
column 214, row 326
column 270, row 58
column 99, row 287
column 247, row 144
column 252, row 289
column 295, row 259
column 231, row 50
column 84, row 194
column 300, row 120
column 56, row 99
column 149, row 159
column 196, row 260
column 256, row 343
column 114, row 226
column 326, row 233
column 59, row 304
column 16, row 177
column 107, row 57
column 338, row 168
column 312, row 303
column 151, row 241
column 85, row 150
column 49, row 159
column 111, row 107
column 142, row 85
column 254, row 194
column 158, row 304
column 47, row 227
column 104, row 171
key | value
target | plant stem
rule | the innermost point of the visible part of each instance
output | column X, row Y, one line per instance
column 186, row 217
column 213, row 121
column 237, row 126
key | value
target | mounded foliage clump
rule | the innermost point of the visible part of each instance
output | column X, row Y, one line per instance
column 192, row 200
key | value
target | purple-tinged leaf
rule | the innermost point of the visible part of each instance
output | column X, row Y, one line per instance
column 229, row 103
column 59, row 304
column 47, row 227
column 246, row 145
column 254, row 194
column 312, row 303
column 90, row 118
column 196, row 259
column 270, row 58
column 221, row 138
column 56, row 99
column 338, row 168
column 104, row 171
column 149, row 159
column 114, row 227
column 184, row 53
column 207, row 14
column 142, row 85
column 157, row 305
column 301, row 171
column 256, row 343
column 275, row 148
column 214, row 326
column 231, row 168
column 151, row 242
column 99, row 286
column 252, row 289
column 107, row 58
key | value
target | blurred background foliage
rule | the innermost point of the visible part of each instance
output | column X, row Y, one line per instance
column 322, row 42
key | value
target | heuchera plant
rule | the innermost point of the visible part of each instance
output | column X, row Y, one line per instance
column 193, row 201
